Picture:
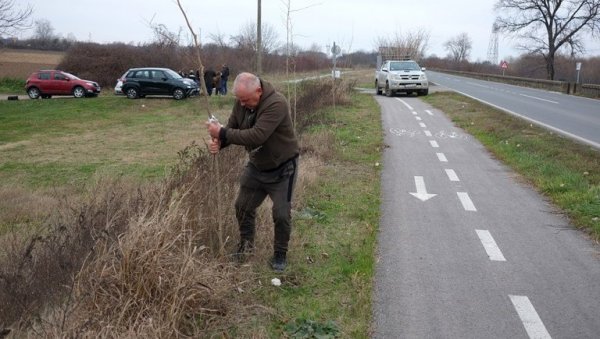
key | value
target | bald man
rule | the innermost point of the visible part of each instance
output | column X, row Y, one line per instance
column 260, row 121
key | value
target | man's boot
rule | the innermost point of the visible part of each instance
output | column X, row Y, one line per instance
column 278, row 262
column 245, row 248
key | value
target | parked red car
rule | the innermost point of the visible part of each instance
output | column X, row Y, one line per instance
column 46, row 83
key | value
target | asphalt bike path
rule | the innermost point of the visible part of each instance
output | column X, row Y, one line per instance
column 468, row 250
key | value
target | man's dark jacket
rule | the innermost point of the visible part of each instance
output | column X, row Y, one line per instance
column 267, row 133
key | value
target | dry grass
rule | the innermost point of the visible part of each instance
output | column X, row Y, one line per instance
column 131, row 260
column 20, row 63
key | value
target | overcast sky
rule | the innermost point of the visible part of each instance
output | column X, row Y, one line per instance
column 352, row 24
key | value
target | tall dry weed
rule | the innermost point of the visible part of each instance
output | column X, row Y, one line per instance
column 147, row 260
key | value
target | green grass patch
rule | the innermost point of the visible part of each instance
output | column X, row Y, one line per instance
column 327, row 293
column 565, row 171
column 10, row 85
column 66, row 141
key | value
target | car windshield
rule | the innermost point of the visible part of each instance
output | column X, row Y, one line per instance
column 70, row 76
column 172, row 74
column 404, row 66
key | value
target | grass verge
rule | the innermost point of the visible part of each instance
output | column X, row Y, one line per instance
column 563, row 170
column 328, row 289
column 10, row 85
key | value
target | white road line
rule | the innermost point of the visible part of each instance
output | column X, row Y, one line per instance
column 452, row 175
column 466, row 201
column 492, row 250
column 418, row 118
column 441, row 157
column 531, row 320
column 405, row 104
column 532, row 97
column 415, row 113
column 434, row 143
column 422, row 124
column 429, row 112
column 558, row 130
column 428, row 133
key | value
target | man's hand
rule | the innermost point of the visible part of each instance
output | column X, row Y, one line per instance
column 214, row 146
column 213, row 129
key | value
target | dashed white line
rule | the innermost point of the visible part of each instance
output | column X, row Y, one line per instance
column 414, row 113
column 428, row 133
column 405, row 104
column 546, row 100
column 531, row 320
column 429, row 112
column 422, row 124
column 451, row 175
column 490, row 246
column 434, row 143
column 441, row 157
column 418, row 118
column 466, row 201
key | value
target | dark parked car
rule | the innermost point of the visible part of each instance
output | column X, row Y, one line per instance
column 139, row 82
column 46, row 83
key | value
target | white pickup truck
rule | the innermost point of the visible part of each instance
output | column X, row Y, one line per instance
column 401, row 76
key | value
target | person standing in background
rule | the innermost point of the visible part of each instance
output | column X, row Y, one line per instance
column 224, row 77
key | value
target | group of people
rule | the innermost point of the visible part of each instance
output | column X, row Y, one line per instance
column 215, row 81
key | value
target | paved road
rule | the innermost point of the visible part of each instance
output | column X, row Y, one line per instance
column 486, row 257
column 576, row 117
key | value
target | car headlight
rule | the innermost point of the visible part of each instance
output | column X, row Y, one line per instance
column 423, row 77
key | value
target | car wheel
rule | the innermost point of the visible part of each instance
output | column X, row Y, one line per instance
column 33, row 93
column 132, row 93
column 388, row 91
column 377, row 89
column 425, row 92
column 178, row 94
column 78, row 92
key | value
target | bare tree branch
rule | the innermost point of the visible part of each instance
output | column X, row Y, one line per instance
column 547, row 26
column 12, row 19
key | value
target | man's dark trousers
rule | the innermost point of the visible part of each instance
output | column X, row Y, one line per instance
column 255, row 186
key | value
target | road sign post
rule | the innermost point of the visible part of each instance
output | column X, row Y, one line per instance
column 504, row 66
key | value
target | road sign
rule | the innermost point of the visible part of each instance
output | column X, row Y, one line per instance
column 504, row 64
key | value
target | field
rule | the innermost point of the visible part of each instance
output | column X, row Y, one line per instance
column 15, row 63
column 110, row 164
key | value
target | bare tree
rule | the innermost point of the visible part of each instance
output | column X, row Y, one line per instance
column 547, row 26
column 43, row 30
column 164, row 37
column 218, row 39
column 410, row 45
column 459, row 47
column 13, row 19
column 246, row 39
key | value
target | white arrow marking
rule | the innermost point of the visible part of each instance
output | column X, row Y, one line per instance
column 421, row 193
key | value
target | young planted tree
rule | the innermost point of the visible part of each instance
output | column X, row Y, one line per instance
column 545, row 27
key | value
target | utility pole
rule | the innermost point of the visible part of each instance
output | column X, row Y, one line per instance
column 259, row 42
